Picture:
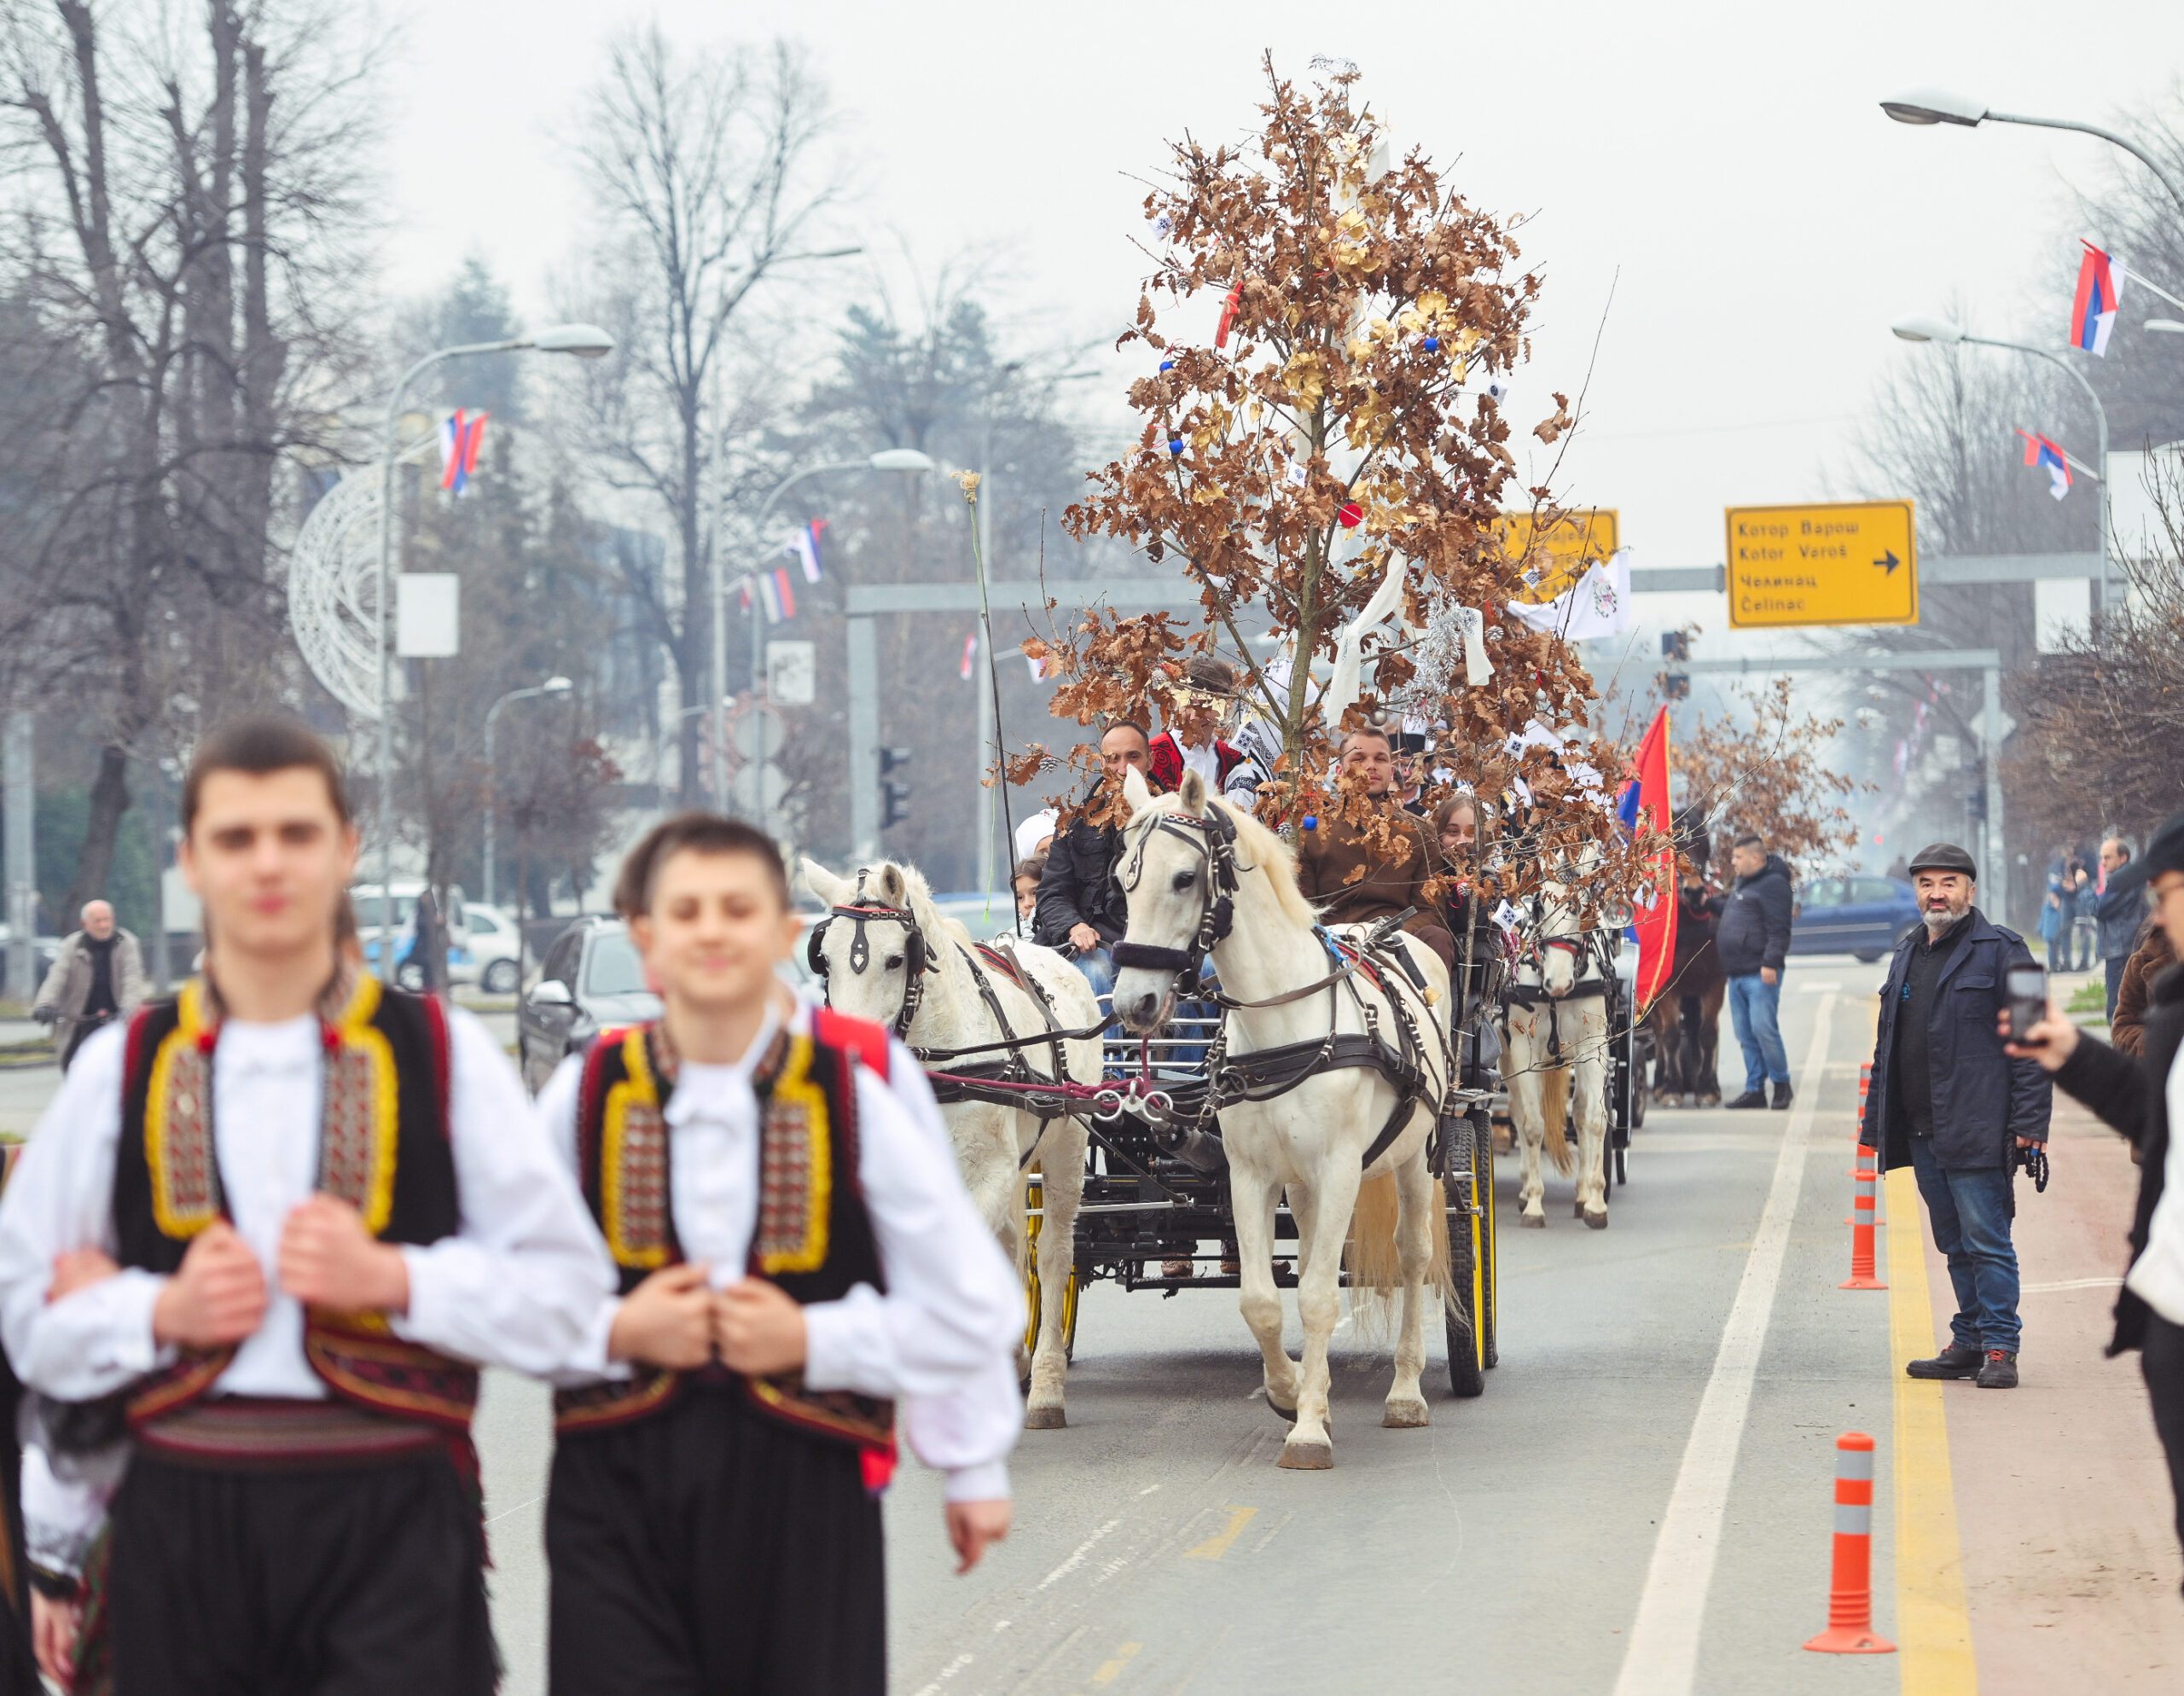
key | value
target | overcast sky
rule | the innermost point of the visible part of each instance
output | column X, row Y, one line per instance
column 1731, row 162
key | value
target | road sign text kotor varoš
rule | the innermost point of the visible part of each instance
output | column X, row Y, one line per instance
column 1850, row 562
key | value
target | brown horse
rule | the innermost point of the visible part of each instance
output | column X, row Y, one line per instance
column 1687, row 1016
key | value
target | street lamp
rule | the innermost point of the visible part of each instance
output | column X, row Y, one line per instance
column 907, row 460
column 2168, row 326
column 586, row 341
column 1944, row 334
column 1935, row 105
column 552, row 686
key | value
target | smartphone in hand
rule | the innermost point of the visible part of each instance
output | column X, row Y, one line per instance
column 2026, row 988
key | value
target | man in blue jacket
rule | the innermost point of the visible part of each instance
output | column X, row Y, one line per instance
column 1753, row 937
column 1947, row 1101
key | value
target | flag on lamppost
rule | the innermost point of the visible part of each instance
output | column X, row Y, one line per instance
column 970, row 654
column 804, row 545
column 2093, row 314
column 2039, row 450
column 460, row 437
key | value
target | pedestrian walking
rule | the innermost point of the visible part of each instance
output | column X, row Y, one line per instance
column 291, row 1298
column 97, row 978
column 428, row 944
column 799, row 1256
column 1752, row 939
column 1947, row 1101
column 2143, row 1098
column 1081, row 908
column 2119, row 914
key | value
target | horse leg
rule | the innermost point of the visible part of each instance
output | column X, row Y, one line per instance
column 1528, row 1112
column 985, row 1137
column 1062, row 1191
column 1687, row 1048
column 1251, row 1194
column 1319, row 1304
column 1417, row 1192
column 1588, row 1091
column 1710, row 1044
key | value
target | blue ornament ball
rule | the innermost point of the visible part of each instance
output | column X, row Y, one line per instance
column 1167, row 365
column 1176, row 444
column 1432, row 344
column 1311, row 821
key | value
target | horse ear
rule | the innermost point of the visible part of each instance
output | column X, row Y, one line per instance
column 892, row 889
column 823, row 883
column 1193, row 792
column 1136, row 790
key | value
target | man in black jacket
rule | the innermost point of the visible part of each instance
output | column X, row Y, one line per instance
column 2142, row 1098
column 1753, row 941
column 1947, row 1101
column 1080, row 907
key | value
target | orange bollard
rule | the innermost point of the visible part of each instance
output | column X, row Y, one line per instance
column 1862, row 1276
column 1850, row 1587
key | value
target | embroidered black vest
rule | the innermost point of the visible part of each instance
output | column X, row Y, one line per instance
column 812, row 1236
column 383, row 1147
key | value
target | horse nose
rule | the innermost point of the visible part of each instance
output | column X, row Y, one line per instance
column 1142, row 1009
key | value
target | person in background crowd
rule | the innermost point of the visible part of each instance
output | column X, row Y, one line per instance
column 1948, row 1102
column 1414, row 757
column 2085, row 915
column 98, row 976
column 2153, row 957
column 2056, row 906
column 1753, row 942
column 2143, row 1098
column 1395, row 878
column 1081, row 906
column 1034, row 836
column 1026, row 883
column 428, row 944
column 2118, row 915
column 1455, row 837
column 1192, row 741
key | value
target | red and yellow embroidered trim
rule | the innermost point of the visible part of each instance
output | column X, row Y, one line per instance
column 359, row 1118
column 797, row 1169
column 177, row 1140
column 633, row 1163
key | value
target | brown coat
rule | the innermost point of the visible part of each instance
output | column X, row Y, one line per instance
column 1326, row 855
column 2148, row 961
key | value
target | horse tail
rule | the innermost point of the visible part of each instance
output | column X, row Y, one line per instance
column 1555, row 1110
column 1376, row 1266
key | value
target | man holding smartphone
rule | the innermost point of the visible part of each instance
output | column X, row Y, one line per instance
column 1948, row 1102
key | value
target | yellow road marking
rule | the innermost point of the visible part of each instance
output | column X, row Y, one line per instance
column 1218, row 1544
column 1110, row 1670
column 1933, row 1621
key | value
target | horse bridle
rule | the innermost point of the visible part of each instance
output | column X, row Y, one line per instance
column 918, row 962
column 1212, row 833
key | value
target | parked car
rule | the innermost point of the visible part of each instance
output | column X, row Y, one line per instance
column 1863, row 916
column 482, row 950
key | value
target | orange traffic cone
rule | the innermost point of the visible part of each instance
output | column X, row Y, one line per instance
column 1850, row 1589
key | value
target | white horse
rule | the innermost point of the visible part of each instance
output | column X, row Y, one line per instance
column 1314, row 1140
column 1554, row 1047
column 883, row 928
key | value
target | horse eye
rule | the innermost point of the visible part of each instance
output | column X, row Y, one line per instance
column 1185, row 879
column 894, row 962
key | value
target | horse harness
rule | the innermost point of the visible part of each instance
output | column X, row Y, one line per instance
column 1586, row 951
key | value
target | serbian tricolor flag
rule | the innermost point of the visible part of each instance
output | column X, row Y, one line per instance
column 1645, row 798
column 2039, row 450
column 970, row 654
column 2093, row 314
column 778, row 591
column 804, row 545
column 459, row 441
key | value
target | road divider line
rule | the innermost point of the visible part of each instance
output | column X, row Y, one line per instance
column 1223, row 1540
column 1933, row 1620
column 1662, row 1656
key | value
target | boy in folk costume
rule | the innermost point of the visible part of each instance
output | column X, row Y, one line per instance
column 292, row 1212
column 796, row 1253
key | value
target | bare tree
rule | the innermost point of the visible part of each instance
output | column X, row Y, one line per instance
column 707, row 187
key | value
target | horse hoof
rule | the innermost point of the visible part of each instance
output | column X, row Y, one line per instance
column 1596, row 1221
column 1306, row 1456
column 1533, row 1222
column 1576, row 1210
column 1407, row 1414
column 1049, row 1418
column 1288, row 1414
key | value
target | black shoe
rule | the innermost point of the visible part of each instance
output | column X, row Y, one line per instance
column 1958, row 1360
column 1751, row 1098
column 1782, row 1094
column 2000, row 1372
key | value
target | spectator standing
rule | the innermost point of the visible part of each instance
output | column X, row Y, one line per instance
column 1753, row 942
column 2117, row 914
column 99, row 976
column 2085, row 925
column 1080, row 905
column 2127, row 1024
column 1950, row 1103
column 2143, row 1099
column 2056, row 907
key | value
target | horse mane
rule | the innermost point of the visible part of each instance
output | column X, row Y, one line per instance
column 931, row 919
column 1257, row 849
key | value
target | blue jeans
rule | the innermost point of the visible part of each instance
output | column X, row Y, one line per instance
column 1099, row 970
column 1755, row 1010
column 1971, row 1215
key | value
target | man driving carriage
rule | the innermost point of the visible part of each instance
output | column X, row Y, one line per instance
column 1080, row 906
column 1397, row 868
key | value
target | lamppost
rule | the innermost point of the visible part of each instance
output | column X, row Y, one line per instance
column 909, row 460
column 1947, row 334
column 586, row 341
column 552, row 686
column 1934, row 106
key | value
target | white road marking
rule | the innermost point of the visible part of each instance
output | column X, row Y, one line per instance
column 1661, row 1658
column 1828, row 986
column 1076, row 1557
column 2061, row 1285
column 1148, row 1490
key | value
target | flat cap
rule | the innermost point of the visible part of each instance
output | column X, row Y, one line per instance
column 1944, row 857
column 2164, row 853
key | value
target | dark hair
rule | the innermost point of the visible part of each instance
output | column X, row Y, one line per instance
column 1747, row 840
column 1462, row 801
column 1032, row 866
column 261, row 746
column 1144, row 735
column 695, row 834
column 1372, row 730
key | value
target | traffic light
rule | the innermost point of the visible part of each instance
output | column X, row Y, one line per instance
column 1676, row 649
column 895, row 791
column 1975, row 807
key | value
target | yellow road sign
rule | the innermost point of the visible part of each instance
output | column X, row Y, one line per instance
column 1565, row 546
column 1846, row 562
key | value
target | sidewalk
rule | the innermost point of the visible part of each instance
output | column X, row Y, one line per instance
column 2070, row 1566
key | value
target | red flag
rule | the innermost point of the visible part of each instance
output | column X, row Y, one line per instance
column 1655, row 921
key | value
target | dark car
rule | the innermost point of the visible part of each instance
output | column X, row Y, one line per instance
column 1864, row 916
column 591, row 980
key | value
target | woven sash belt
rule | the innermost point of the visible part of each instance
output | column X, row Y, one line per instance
column 251, row 1433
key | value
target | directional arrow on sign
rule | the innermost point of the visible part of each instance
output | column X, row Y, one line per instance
column 1888, row 562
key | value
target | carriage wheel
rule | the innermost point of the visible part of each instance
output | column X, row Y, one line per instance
column 1032, row 1191
column 1490, row 1305
column 1622, row 1165
column 1467, row 1357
